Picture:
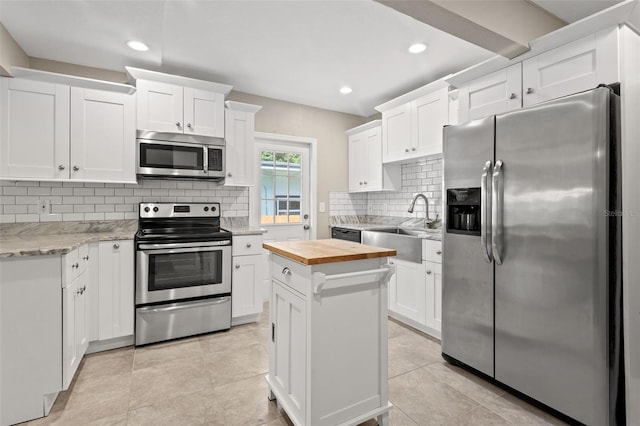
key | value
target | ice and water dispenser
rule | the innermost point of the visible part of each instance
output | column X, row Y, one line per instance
column 463, row 211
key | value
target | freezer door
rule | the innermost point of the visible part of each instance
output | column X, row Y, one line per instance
column 551, row 288
column 467, row 276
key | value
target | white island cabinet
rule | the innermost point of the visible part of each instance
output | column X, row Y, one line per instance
column 327, row 362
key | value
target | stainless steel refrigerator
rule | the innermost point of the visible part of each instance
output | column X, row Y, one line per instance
column 531, row 268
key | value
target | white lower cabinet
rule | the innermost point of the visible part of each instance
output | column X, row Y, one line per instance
column 115, row 289
column 415, row 291
column 74, row 326
column 246, row 279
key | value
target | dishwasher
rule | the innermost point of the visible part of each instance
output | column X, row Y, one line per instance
column 354, row 235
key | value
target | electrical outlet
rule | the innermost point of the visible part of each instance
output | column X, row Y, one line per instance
column 44, row 206
column 322, row 207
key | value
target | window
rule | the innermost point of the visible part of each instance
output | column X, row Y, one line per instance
column 280, row 187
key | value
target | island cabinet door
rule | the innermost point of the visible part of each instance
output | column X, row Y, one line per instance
column 287, row 350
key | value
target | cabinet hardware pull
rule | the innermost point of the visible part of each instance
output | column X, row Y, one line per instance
column 76, row 265
column 286, row 271
column 237, row 266
column 406, row 150
column 248, row 245
column 413, row 149
column 76, row 168
column 116, row 246
column 365, row 182
column 229, row 174
column 177, row 123
column 189, row 125
column 512, row 96
column 529, row 90
column 60, row 167
column 428, row 272
column 273, row 332
column 438, row 251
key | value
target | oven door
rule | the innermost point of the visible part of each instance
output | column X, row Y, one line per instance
column 157, row 158
column 175, row 271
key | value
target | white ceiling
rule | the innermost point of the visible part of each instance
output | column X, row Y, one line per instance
column 300, row 51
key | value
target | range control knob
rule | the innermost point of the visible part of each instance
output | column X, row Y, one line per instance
column 146, row 209
column 206, row 209
column 213, row 208
column 155, row 209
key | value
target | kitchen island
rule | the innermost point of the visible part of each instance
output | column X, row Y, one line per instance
column 328, row 344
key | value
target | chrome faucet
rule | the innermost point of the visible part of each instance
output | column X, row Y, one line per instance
column 427, row 221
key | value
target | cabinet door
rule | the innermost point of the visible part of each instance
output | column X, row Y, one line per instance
column 287, row 347
column 239, row 140
column 495, row 93
column 431, row 114
column 396, row 133
column 574, row 67
column 74, row 327
column 203, row 112
column 116, row 286
column 34, row 130
column 103, row 135
column 160, row 106
column 433, row 292
column 357, row 162
column 246, row 286
column 407, row 293
column 372, row 160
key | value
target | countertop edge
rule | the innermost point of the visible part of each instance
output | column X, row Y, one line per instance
column 45, row 248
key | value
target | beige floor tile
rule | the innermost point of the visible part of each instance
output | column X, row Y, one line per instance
column 396, row 418
column 469, row 384
column 478, row 416
column 243, row 403
column 184, row 410
column 235, row 339
column 396, row 329
column 155, row 384
column 73, row 419
column 159, row 354
column 519, row 412
column 411, row 351
column 109, row 363
column 427, row 401
column 226, row 366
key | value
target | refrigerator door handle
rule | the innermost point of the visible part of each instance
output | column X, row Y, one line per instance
column 496, row 212
column 485, row 212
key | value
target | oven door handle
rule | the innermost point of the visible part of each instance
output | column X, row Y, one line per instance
column 183, row 250
column 184, row 245
column 185, row 305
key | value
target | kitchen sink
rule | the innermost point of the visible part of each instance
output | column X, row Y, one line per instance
column 407, row 243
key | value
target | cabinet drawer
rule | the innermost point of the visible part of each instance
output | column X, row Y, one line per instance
column 432, row 251
column 70, row 267
column 292, row 274
column 247, row 245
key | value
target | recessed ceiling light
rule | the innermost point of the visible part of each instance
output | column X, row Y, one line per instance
column 417, row 48
column 138, row 45
column 345, row 90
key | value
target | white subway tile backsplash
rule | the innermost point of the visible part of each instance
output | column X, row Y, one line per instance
column 72, row 201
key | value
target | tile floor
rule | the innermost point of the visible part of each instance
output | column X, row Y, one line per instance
column 217, row 379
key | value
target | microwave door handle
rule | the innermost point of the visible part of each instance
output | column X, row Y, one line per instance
column 205, row 163
column 485, row 212
column 497, row 189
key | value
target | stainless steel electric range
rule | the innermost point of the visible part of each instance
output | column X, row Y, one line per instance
column 183, row 271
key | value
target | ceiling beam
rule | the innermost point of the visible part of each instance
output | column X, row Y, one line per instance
column 503, row 27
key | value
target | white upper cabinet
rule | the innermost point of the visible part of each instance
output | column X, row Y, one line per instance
column 412, row 123
column 52, row 131
column 239, row 138
column 572, row 68
column 495, row 93
column 35, row 130
column 103, row 135
column 366, row 171
column 176, row 104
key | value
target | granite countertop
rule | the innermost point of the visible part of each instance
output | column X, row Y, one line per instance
column 246, row 230
column 56, row 239
column 316, row 252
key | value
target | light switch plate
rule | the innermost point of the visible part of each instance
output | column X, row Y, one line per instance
column 322, row 207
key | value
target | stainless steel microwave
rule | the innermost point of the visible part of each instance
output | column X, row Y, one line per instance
column 180, row 156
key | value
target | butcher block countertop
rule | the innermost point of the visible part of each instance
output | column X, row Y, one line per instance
column 316, row 252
